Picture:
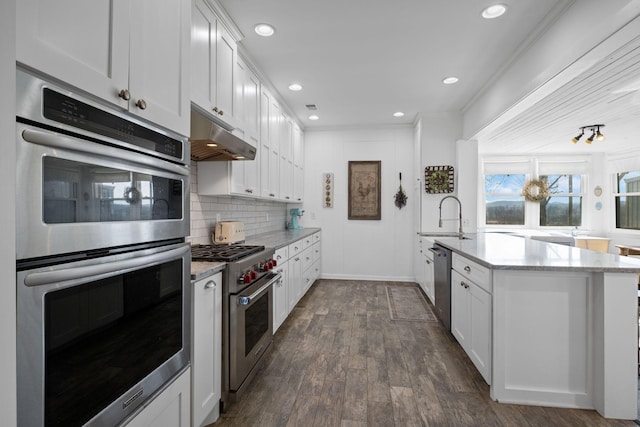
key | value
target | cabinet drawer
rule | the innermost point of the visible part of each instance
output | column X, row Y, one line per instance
column 307, row 242
column 473, row 271
column 316, row 237
column 281, row 255
column 295, row 248
column 316, row 251
column 307, row 259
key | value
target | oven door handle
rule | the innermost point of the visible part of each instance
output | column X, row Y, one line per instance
column 246, row 300
column 96, row 272
column 54, row 140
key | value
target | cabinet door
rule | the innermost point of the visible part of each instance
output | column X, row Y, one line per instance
column 428, row 278
column 285, row 189
column 203, row 56
column 159, row 62
column 169, row 409
column 83, row 43
column 224, row 75
column 460, row 310
column 295, row 280
column 280, row 301
column 206, row 348
column 480, row 324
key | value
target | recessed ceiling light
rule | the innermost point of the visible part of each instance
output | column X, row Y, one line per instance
column 295, row 87
column 313, row 117
column 450, row 80
column 398, row 114
column 264, row 30
column 494, row 11
column 210, row 144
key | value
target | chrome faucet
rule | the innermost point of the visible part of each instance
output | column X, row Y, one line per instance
column 460, row 214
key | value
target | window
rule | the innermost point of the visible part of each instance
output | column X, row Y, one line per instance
column 503, row 199
column 563, row 207
column 628, row 200
column 504, row 202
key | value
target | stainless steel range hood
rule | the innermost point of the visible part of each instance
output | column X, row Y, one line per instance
column 210, row 141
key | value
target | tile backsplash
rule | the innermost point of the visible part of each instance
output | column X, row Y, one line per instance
column 258, row 216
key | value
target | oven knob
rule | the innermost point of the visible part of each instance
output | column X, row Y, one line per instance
column 274, row 262
column 246, row 278
column 254, row 275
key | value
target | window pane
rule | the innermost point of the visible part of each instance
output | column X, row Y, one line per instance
column 628, row 212
column 504, row 183
column 505, row 210
column 563, row 184
column 561, row 211
column 629, row 182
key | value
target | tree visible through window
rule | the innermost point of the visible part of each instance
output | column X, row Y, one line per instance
column 628, row 200
column 563, row 207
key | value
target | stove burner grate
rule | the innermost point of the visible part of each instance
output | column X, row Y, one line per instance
column 227, row 253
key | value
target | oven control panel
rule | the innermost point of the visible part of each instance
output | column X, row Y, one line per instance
column 251, row 274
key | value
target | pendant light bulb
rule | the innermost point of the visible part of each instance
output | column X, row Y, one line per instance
column 577, row 137
column 599, row 136
column 590, row 139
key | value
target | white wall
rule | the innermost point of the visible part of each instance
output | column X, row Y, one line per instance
column 368, row 250
column 7, row 215
column 438, row 135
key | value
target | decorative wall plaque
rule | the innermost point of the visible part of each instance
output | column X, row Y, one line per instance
column 327, row 190
column 438, row 179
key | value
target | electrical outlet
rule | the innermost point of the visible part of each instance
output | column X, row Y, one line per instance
column 217, row 217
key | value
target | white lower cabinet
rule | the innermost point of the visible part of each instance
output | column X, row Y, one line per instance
column 299, row 264
column 170, row 408
column 280, row 297
column 471, row 310
column 206, row 349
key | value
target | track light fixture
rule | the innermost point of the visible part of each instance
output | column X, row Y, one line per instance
column 595, row 134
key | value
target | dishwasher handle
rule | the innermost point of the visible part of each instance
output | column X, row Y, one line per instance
column 437, row 251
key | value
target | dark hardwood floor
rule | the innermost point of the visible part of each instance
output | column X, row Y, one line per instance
column 338, row 360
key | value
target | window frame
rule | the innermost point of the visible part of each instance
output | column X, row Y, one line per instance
column 534, row 168
column 614, row 203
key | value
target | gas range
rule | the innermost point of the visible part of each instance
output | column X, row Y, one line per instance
column 246, row 264
column 248, row 283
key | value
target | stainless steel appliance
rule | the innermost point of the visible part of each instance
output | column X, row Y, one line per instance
column 102, row 268
column 212, row 142
column 442, row 283
column 90, row 177
column 247, row 310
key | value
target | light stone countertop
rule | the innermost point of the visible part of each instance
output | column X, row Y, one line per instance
column 200, row 270
column 504, row 252
column 279, row 239
column 274, row 239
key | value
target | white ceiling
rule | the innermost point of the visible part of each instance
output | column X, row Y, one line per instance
column 360, row 61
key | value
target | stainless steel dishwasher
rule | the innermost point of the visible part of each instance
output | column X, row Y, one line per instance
column 442, row 280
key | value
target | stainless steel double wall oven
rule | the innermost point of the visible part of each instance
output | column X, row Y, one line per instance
column 103, row 266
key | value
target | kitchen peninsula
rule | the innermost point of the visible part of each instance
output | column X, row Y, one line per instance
column 560, row 323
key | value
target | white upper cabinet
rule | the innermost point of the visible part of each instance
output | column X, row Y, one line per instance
column 298, row 164
column 132, row 54
column 213, row 58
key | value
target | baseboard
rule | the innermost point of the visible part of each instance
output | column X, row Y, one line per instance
column 367, row 278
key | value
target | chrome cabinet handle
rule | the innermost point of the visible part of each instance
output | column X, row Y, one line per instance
column 215, row 109
column 141, row 104
column 124, row 94
column 467, row 269
column 297, row 259
column 210, row 284
column 272, row 195
column 221, row 112
column 278, row 257
column 248, row 190
column 428, row 262
column 464, row 285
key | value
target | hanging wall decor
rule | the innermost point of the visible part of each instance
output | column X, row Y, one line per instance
column 364, row 190
column 438, row 179
column 327, row 189
column 535, row 190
